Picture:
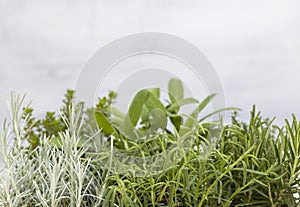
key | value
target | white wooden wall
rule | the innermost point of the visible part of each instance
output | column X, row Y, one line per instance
column 253, row 44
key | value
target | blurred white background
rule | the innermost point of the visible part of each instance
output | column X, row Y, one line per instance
column 254, row 45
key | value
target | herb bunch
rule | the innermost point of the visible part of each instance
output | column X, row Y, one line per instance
column 69, row 158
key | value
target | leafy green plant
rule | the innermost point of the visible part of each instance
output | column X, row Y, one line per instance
column 50, row 126
column 258, row 164
column 72, row 158
column 144, row 128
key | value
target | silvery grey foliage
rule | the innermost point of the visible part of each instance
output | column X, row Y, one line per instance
column 46, row 176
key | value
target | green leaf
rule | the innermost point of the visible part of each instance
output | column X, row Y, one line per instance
column 176, row 106
column 154, row 103
column 145, row 114
column 104, row 124
column 187, row 101
column 159, row 119
column 115, row 112
column 190, row 122
column 175, row 89
column 135, row 109
column 176, row 121
column 155, row 92
column 142, row 105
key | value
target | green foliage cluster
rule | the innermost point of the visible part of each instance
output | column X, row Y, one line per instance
column 50, row 126
column 144, row 130
column 74, row 158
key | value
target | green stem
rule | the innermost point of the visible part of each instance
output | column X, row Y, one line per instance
column 224, row 173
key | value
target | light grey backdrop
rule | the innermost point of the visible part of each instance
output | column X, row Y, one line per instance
column 253, row 44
